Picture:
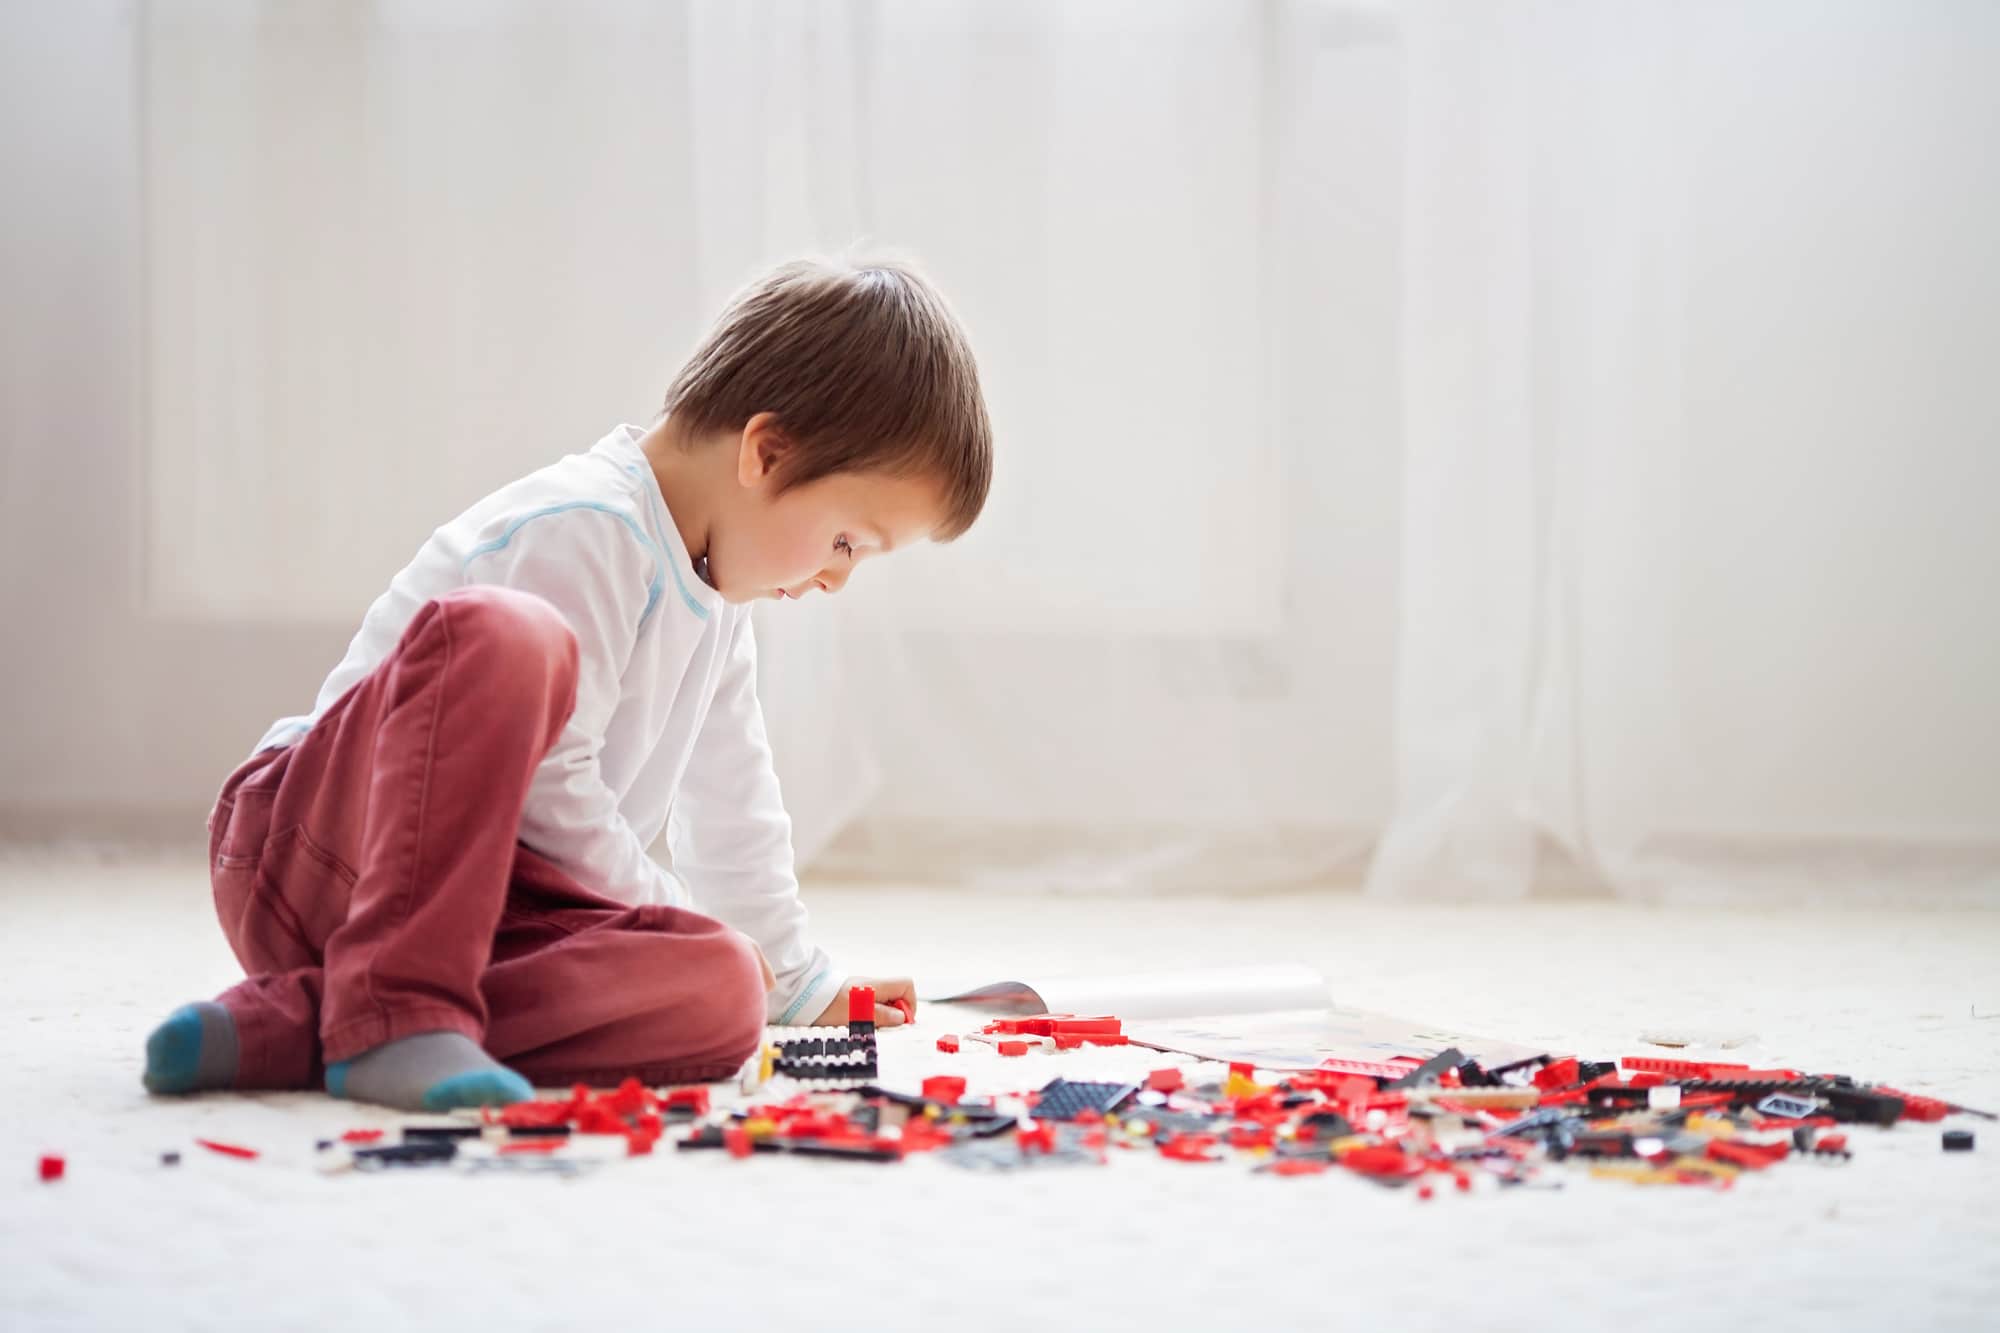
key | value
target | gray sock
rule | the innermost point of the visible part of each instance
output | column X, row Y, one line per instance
column 430, row 1071
column 195, row 1049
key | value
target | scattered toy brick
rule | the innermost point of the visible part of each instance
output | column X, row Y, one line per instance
column 948, row 1043
column 861, row 1011
column 51, row 1167
column 1189, row 1148
column 1296, row 1166
column 228, row 1149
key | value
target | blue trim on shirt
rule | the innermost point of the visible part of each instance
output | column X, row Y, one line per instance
column 653, row 586
column 805, row 993
column 661, row 517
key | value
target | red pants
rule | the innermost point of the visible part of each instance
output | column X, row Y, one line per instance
column 369, row 880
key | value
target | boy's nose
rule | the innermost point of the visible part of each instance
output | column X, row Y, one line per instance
column 834, row 580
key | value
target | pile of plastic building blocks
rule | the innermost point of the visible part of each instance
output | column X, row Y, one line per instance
column 1400, row 1123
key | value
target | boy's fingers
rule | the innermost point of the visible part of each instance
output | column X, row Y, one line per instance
column 888, row 1016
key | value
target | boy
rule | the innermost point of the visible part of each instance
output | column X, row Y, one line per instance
column 437, row 880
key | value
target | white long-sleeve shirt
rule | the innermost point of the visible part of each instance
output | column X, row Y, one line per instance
column 667, row 731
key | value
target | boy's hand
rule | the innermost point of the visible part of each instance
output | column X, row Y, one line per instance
column 887, row 989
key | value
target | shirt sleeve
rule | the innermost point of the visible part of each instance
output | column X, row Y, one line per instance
column 732, row 840
column 602, row 574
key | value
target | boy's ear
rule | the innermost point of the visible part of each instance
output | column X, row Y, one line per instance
column 761, row 450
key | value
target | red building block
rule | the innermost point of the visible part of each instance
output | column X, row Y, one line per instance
column 737, row 1140
column 944, row 1088
column 1366, row 1068
column 1013, row 1048
column 1036, row 1136
column 1078, row 1026
column 538, row 1114
column 1069, row 1041
column 1580, row 1093
column 228, row 1149
column 1755, row 1156
column 1384, row 1159
column 920, row 1135
column 1248, row 1137
column 1564, row 1073
column 693, row 1100
column 595, row 1119
column 1298, row 1166
column 630, row 1098
column 521, row 1147
column 1653, row 1064
column 861, row 1004
column 52, row 1167
column 1039, row 1025
column 948, row 1043
column 1166, row 1080
column 1189, row 1148
column 906, row 1006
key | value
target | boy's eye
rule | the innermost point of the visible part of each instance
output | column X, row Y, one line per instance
column 841, row 544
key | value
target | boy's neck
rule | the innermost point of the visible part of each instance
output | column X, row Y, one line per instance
column 688, row 480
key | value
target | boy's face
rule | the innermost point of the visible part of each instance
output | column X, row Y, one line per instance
column 810, row 538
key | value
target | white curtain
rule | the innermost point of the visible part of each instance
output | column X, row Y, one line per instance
column 1514, row 441
column 1701, row 449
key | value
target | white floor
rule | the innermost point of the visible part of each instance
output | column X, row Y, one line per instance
column 1903, row 1237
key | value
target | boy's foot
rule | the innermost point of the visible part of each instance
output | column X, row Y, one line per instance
column 195, row 1049
column 431, row 1071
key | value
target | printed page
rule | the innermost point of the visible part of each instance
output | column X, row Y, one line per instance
column 1260, row 988
column 1302, row 1038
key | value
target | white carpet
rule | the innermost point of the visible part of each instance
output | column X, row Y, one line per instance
column 1903, row 1237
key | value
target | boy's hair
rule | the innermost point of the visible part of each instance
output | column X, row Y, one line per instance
column 866, row 370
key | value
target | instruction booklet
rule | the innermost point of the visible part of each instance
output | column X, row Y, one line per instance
column 1275, row 1016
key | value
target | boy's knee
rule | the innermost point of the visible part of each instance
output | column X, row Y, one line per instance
column 736, row 994
column 528, row 646
column 508, row 618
